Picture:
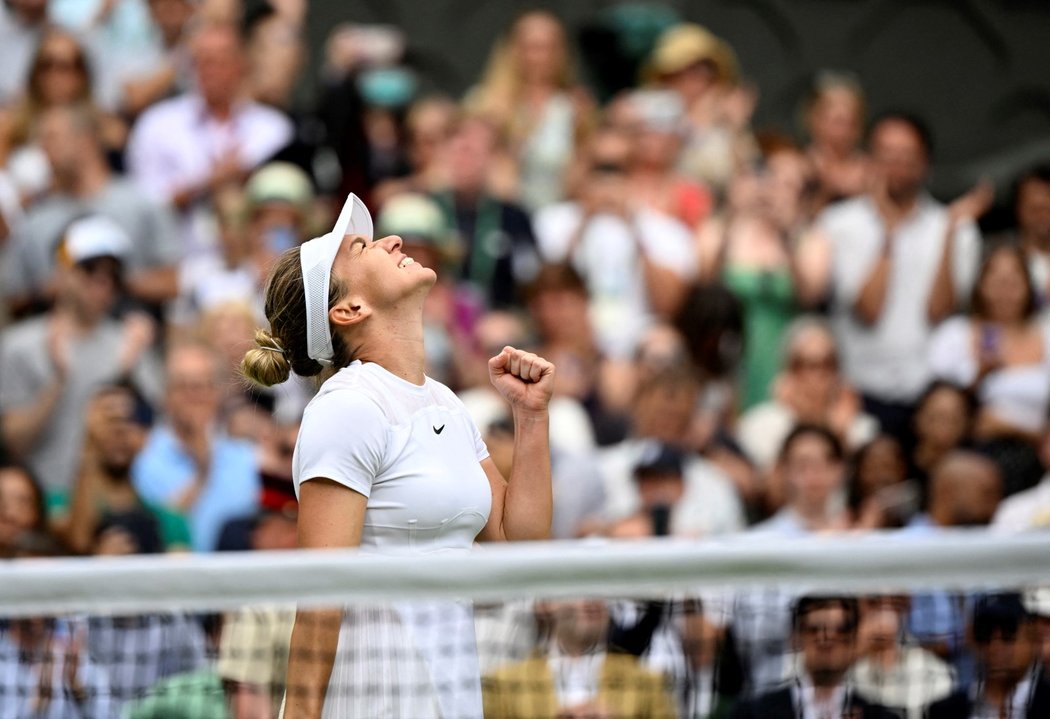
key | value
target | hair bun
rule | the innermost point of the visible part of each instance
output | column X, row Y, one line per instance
column 266, row 363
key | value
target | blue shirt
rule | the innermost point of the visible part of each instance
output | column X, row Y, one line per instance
column 164, row 470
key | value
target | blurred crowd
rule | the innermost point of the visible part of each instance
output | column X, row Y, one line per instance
column 761, row 330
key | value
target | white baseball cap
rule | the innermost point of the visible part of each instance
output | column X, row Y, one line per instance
column 94, row 236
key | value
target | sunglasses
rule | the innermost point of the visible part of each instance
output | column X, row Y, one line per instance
column 61, row 64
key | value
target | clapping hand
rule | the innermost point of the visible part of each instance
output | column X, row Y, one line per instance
column 524, row 379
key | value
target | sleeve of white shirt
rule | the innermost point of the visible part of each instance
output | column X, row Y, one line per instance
column 343, row 438
column 145, row 156
column 668, row 243
column 949, row 352
column 965, row 259
column 553, row 227
column 849, row 268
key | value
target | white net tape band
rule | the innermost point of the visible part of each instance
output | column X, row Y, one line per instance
column 880, row 562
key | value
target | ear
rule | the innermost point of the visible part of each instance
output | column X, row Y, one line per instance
column 349, row 311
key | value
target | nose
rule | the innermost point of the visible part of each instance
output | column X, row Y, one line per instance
column 390, row 243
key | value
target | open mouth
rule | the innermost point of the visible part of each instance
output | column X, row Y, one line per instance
column 405, row 262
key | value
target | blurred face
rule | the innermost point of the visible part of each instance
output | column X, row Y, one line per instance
column 664, row 411
column 61, row 71
column 275, row 227
column 1007, row 655
column 580, row 625
column 881, row 623
column 965, row 492
column 828, row 644
column 882, row 466
column 660, row 489
column 429, row 128
column 378, row 273
column 1033, row 210
column 539, row 48
column 18, row 504
column 899, row 158
column 120, row 438
column 1043, row 628
column 193, row 393
column 1003, row 287
column 656, row 147
column 942, row 421
column 693, row 82
column 813, row 363
column 788, row 174
column 470, row 153
column 171, row 16
column 560, row 315
column 219, row 61
column 91, row 287
column 701, row 639
column 62, row 144
column 835, row 120
column 812, row 473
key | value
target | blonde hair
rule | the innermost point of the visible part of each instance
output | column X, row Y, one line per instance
column 281, row 350
column 499, row 93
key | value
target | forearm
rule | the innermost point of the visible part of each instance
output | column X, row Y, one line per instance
column 529, row 503
column 22, row 427
column 155, row 285
column 872, row 297
column 311, row 655
column 941, row 301
column 664, row 288
column 83, row 515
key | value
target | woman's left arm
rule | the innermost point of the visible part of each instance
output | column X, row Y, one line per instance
column 521, row 507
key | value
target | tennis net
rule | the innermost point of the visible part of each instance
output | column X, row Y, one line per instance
column 658, row 628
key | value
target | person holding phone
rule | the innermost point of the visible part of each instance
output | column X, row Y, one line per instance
column 1002, row 353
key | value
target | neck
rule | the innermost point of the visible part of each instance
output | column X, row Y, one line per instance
column 220, row 109
column 574, row 648
column 396, row 344
column 1033, row 241
column 813, row 517
column 997, row 691
column 93, row 176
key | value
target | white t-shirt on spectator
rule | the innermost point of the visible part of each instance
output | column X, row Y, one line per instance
column 177, row 142
column 1018, row 394
column 607, row 258
column 1025, row 511
column 885, row 359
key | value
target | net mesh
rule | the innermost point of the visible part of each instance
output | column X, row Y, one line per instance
column 648, row 629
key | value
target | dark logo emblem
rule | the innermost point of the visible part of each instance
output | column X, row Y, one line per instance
column 437, row 430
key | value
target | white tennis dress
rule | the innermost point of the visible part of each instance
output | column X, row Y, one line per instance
column 415, row 453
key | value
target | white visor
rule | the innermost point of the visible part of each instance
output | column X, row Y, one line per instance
column 316, row 257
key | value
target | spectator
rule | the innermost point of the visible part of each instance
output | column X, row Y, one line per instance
column 658, row 129
column 83, row 183
column 576, row 674
column 943, row 422
column 809, row 389
column 184, row 149
column 50, row 365
column 812, row 467
column 166, row 67
column 1037, row 602
column 22, row 22
column 901, row 263
column 881, row 495
column 529, row 89
column 1002, row 354
column 428, row 127
column 964, row 491
column 1028, row 510
column 46, row 671
column 1004, row 638
column 835, row 123
column 22, row 507
column 663, row 412
column 116, row 423
column 1032, row 231
column 60, row 75
column 278, row 204
column 762, row 250
column 714, row 671
column 702, row 70
column 825, row 630
column 188, row 465
column 660, row 479
column 499, row 251
column 636, row 262
column 891, row 669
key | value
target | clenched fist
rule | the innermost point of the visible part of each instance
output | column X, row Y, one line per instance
column 524, row 379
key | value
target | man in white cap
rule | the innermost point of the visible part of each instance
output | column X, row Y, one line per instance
column 50, row 365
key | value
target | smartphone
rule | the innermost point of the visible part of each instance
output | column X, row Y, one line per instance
column 660, row 515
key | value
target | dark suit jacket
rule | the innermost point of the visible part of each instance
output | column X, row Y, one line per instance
column 960, row 706
column 779, row 704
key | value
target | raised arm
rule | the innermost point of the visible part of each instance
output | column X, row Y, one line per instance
column 521, row 507
column 967, row 208
column 330, row 516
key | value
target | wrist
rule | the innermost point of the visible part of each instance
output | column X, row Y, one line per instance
column 524, row 416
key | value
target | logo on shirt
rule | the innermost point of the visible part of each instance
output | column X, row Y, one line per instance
column 437, row 430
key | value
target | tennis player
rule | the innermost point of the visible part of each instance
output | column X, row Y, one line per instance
column 388, row 459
